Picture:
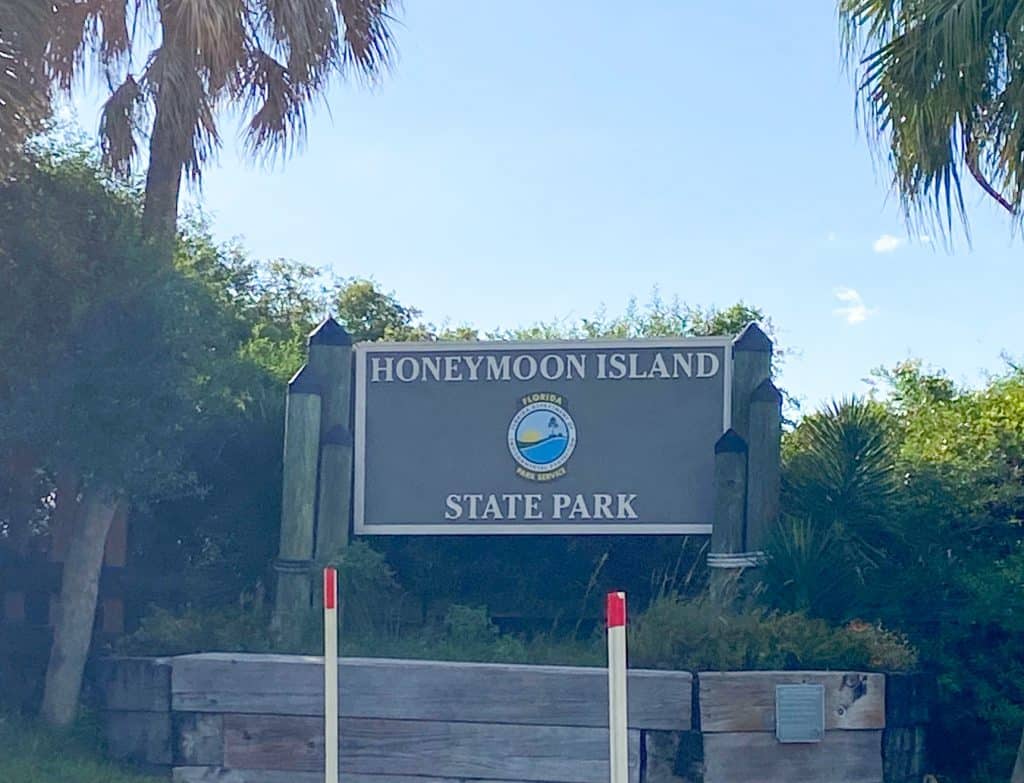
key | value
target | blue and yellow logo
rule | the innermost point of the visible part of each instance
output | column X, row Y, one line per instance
column 541, row 437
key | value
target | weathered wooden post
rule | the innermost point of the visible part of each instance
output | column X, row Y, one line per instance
column 298, row 503
column 330, row 357
column 763, row 456
column 752, row 365
column 746, row 463
column 730, row 511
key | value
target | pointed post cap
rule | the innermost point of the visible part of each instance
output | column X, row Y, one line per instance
column 752, row 338
column 329, row 332
column 767, row 392
column 304, row 382
column 731, row 443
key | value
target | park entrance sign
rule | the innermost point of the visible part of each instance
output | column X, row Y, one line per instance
column 573, row 437
column 663, row 436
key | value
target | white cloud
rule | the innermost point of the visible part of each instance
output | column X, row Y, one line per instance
column 887, row 243
column 853, row 311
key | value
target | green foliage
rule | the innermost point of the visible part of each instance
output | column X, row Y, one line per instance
column 908, row 512
column 941, row 91
column 701, row 635
column 104, row 348
column 34, row 754
column 368, row 593
column 656, row 318
column 244, row 627
column 838, row 491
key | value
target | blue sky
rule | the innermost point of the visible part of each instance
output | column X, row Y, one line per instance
column 534, row 160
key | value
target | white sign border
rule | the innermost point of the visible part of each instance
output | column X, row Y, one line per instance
column 361, row 527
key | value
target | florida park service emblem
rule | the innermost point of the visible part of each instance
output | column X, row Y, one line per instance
column 541, row 437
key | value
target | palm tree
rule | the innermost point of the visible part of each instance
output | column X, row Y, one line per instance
column 24, row 92
column 267, row 60
column 941, row 90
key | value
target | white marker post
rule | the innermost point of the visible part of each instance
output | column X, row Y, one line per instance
column 330, row 675
column 618, row 738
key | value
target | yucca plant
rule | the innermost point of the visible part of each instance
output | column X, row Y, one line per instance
column 839, row 482
column 941, row 88
column 174, row 65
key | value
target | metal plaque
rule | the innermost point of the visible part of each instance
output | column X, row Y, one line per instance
column 800, row 713
column 574, row 437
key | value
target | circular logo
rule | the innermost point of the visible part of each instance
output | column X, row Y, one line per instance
column 542, row 436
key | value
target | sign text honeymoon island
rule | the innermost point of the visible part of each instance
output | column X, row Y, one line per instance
column 581, row 437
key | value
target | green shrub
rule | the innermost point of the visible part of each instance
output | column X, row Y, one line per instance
column 240, row 628
column 368, row 592
column 35, row 754
column 700, row 635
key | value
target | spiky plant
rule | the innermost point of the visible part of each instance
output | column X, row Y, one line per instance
column 173, row 66
column 839, row 481
column 941, row 88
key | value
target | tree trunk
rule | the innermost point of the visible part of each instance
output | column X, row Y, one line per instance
column 76, row 613
column 1018, row 768
column 163, row 179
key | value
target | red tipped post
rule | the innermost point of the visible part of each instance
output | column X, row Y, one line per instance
column 615, row 612
column 330, row 675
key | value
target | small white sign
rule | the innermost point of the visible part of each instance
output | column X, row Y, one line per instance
column 800, row 713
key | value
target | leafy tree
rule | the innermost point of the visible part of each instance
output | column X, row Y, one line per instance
column 173, row 66
column 941, row 90
column 107, row 355
column 907, row 510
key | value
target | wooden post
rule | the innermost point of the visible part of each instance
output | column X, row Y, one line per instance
column 330, row 358
column 298, row 503
column 730, row 510
column 746, row 472
column 764, row 460
column 752, row 365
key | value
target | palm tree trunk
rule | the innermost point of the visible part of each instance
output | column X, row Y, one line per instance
column 72, row 632
column 163, row 181
column 1018, row 768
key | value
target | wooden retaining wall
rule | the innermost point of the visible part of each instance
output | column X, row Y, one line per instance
column 236, row 718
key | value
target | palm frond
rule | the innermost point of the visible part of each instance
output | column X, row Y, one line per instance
column 368, row 43
column 939, row 92
column 24, row 90
column 278, row 104
column 119, row 123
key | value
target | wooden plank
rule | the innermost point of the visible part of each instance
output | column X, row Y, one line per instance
column 745, row 701
column 904, row 754
column 673, row 757
column 756, row 757
column 136, row 684
column 499, row 752
column 908, row 699
column 198, row 739
column 139, row 737
column 220, row 775
column 428, row 690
